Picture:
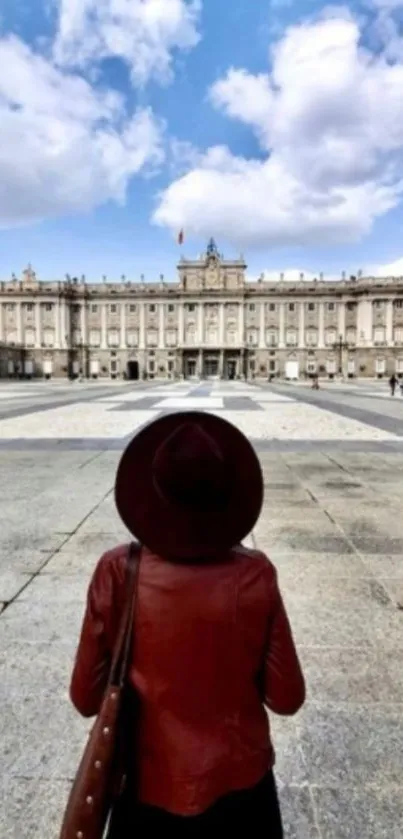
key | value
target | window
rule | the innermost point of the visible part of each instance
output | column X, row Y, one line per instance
column 398, row 336
column 311, row 307
column 311, row 338
column 151, row 308
column 399, row 304
column 171, row 338
column 76, row 337
column 132, row 338
column 76, row 308
column 113, row 308
column 10, row 307
column 211, row 336
column 291, row 307
column 29, row 307
column 350, row 307
column 113, row 338
column 48, row 307
column 95, row 338
column 351, row 336
column 191, row 335
column 330, row 337
column 271, row 338
column 151, row 366
column 49, row 338
column 252, row 307
column 132, row 308
column 252, row 337
column 291, row 337
column 311, row 367
column 380, row 366
column 94, row 308
column 29, row 338
column 231, row 337
column 170, row 366
column 330, row 307
column 379, row 335
column 190, row 307
column 272, row 307
column 152, row 338
column 171, row 307
column 378, row 304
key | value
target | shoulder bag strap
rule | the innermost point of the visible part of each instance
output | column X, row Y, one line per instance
column 120, row 660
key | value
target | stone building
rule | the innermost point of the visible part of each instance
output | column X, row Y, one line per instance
column 210, row 322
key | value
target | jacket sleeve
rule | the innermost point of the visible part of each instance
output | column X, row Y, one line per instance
column 93, row 657
column 284, row 684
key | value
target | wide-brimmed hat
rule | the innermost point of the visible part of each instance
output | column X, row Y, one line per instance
column 189, row 485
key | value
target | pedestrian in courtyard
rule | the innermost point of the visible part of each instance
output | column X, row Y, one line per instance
column 211, row 646
column 393, row 382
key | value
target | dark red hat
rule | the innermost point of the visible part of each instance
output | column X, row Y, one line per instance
column 189, row 485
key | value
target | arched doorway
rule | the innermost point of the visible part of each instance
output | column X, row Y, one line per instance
column 133, row 370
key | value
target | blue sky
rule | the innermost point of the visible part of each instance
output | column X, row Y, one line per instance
column 276, row 127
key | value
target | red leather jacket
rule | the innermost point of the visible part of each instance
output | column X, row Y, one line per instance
column 213, row 645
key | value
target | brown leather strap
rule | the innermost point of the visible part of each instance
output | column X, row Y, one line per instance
column 121, row 655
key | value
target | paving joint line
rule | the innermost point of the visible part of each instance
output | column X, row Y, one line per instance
column 52, row 554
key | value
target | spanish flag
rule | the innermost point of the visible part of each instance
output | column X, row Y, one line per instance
column 181, row 237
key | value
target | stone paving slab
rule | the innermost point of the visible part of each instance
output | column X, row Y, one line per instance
column 331, row 525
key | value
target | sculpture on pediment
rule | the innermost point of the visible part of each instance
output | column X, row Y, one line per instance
column 28, row 276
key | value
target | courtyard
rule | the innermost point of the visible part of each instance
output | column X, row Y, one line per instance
column 333, row 466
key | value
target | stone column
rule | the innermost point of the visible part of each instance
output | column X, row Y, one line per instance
column 200, row 325
column 221, row 365
column 262, row 342
column 1, row 322
column 38, row 336
column 18, row 321
column 281, row 326
column 83, row 323
column 63, row 323
column 57, row 324
column 142, row 335
column 161, row 330
column 321, row 326
column 241, row 325
column 389, row 323
column 104, row 342
column 123, row 326
column 181, row 323
column 221, row 324
column 341, row 319
column 301, row 326
column 364, row 323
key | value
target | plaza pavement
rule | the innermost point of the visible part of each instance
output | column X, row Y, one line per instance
column 332, row 523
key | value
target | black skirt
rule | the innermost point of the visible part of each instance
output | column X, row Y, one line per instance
column 253, row 808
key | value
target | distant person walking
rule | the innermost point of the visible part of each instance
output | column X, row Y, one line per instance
column 393, row 382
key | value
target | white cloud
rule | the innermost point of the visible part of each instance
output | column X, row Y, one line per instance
column 389, row 269
column 143, row 33
column 65, row 146
column 329, row 119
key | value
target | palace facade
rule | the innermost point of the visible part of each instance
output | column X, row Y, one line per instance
column 211, row 322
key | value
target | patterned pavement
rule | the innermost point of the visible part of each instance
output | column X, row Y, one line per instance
column 272, row 416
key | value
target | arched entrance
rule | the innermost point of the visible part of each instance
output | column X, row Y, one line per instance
column 133, row 370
